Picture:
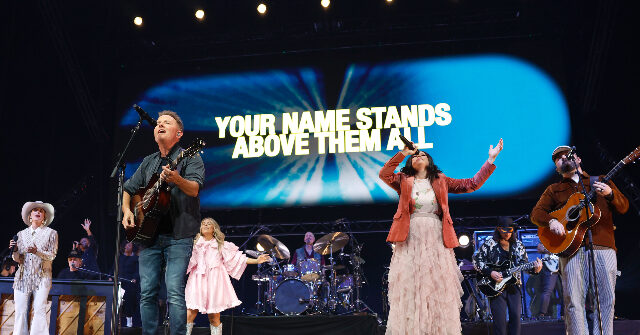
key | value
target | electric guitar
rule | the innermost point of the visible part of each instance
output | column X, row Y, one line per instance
column 491, row 288
column 577, row 215
column 151, row 202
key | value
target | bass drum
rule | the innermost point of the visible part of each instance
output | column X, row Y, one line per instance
column 292, row 297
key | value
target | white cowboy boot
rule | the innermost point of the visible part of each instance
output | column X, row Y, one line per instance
column 216, row 330
column 189, row 328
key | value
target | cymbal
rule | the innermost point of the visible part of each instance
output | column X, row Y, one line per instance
column 331, row 242
column 272, row 245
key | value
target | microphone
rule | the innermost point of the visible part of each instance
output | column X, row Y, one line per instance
column 571, row 153
column 15, row 247
column 406, row 142
column 144, row 115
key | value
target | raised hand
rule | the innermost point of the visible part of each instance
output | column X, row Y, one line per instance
column 86, row 225
column 494, row 151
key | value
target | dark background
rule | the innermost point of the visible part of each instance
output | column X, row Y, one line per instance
column 67, row 68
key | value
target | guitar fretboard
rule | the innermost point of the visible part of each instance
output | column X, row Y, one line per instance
column 606, row 178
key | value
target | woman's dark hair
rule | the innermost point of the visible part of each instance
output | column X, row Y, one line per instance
column 432, row 169
column 496, row 235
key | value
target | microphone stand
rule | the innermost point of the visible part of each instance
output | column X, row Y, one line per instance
column 118, row 170
column 592, row 261
column 101, row 274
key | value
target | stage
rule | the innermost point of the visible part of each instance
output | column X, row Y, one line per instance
column 366, row 324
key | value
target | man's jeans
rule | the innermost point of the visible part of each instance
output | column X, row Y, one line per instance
column 175, row 255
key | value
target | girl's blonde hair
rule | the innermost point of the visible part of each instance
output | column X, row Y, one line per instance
column 217, row 233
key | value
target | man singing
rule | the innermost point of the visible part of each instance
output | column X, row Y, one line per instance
column 575, row 273
column 172, row 247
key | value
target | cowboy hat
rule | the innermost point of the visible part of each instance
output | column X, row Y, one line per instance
column 29, row 206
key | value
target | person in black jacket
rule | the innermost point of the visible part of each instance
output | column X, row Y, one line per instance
column 504, row 246
column 128, row 269
column 72, row 272
column 88, row 247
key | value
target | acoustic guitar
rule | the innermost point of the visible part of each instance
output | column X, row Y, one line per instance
column 151, row 202
column 577, row 215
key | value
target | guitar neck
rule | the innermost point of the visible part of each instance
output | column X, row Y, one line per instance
column 524, row 267
column 608, row 177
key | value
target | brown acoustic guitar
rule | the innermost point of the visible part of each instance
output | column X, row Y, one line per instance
column 577, row 215
column 151, row 202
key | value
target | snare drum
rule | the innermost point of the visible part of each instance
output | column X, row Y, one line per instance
column 292, row 297
column 310, row 270
column 289, row 270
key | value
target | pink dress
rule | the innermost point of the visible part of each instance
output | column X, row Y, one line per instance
column 209, row 289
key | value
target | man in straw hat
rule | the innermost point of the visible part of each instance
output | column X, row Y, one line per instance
column 34, row 251
column 574, row 269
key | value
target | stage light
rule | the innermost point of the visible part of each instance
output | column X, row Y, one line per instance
column 259, row 247
column 262, row 8
column 325, row 3
column 464, row 240
column 200, row 14
column 137, row 21
column 389, row 1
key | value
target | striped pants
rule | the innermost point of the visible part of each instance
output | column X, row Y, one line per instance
column 577, row 281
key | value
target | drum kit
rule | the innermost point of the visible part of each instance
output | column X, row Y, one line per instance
column 309, row 287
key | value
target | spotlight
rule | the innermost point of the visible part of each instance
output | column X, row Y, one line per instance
column 200, row 14
column 389, row 1
column 259, row 247
column 262, row 8
column 464, row 240
column 137, row 21
column 325, row 3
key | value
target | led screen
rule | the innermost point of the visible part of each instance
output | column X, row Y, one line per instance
column 274, row 140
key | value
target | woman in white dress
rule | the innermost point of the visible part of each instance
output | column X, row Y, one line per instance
column 424, row 279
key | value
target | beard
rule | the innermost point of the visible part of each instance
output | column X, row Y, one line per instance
column 567, row 166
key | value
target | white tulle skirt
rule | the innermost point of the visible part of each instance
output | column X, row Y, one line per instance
column 424, row 282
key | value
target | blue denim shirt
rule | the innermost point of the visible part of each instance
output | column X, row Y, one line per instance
column 184, row 211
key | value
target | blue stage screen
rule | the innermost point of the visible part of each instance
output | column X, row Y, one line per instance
column 286, row 154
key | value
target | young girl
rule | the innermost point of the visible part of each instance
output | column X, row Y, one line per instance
column 213, row 261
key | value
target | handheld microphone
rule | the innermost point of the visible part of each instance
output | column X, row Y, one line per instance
column 144, row 115
column 571, row 153
column 406, row 142
column 15, row 247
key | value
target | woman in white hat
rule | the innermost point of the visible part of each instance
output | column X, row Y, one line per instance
column 36, row 248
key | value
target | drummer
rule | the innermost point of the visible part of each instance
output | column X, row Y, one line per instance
column 306, row 252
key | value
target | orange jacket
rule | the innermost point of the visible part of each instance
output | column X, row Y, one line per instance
column 557, row 194
column 442, row 186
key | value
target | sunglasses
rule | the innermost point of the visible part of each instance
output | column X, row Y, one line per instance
column 506, row 230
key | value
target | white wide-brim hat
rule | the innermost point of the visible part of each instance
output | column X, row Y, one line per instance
column 29, row 206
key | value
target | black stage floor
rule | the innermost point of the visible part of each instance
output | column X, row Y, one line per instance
column 365, row 324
